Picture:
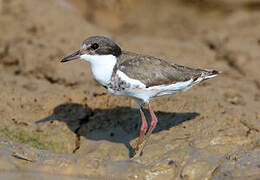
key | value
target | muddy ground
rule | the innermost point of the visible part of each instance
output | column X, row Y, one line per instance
column 57, row 122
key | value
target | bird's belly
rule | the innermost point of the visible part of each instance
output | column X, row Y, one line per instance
column 137, row 93
column 145, row 94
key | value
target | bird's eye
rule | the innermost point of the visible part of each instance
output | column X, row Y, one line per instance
column 94, row 46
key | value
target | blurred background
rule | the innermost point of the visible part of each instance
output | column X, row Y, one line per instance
column 211, row 131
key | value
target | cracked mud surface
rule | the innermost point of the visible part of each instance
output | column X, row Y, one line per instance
column 57, row 122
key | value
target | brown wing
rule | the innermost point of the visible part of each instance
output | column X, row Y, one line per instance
column 154, row 71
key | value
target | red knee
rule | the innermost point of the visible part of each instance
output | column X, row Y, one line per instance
column 144, row 127
column 154, row 122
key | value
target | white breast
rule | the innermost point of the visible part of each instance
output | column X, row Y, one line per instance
column 102, row 67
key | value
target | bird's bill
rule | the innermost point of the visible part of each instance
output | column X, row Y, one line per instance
column 73, row 56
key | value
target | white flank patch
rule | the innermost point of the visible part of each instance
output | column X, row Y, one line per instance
column 136, row 88
column 133, row 82
column 102, row 66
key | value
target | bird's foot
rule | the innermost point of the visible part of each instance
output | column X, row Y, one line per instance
column 139, row 148
column 136, row 150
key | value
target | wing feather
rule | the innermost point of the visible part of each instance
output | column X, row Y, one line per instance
column 154, row 71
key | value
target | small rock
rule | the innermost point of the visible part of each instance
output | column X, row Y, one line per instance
column 198, row 170
column 171, row 162
column 238, row 140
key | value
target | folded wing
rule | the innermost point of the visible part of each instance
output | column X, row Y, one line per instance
column 154, row 71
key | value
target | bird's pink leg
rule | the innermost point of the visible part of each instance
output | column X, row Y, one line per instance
column 153, row 122
column 144, row 140
column 142, row 130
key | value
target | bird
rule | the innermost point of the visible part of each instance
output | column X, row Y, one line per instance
column 141, row 77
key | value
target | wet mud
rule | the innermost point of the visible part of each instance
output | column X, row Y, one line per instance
column 58, row 122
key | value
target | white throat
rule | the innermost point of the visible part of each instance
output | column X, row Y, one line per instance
column 102, row 66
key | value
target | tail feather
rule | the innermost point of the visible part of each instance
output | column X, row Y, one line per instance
column 207, row 74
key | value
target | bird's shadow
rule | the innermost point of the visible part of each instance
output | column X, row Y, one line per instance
column 119, row 124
